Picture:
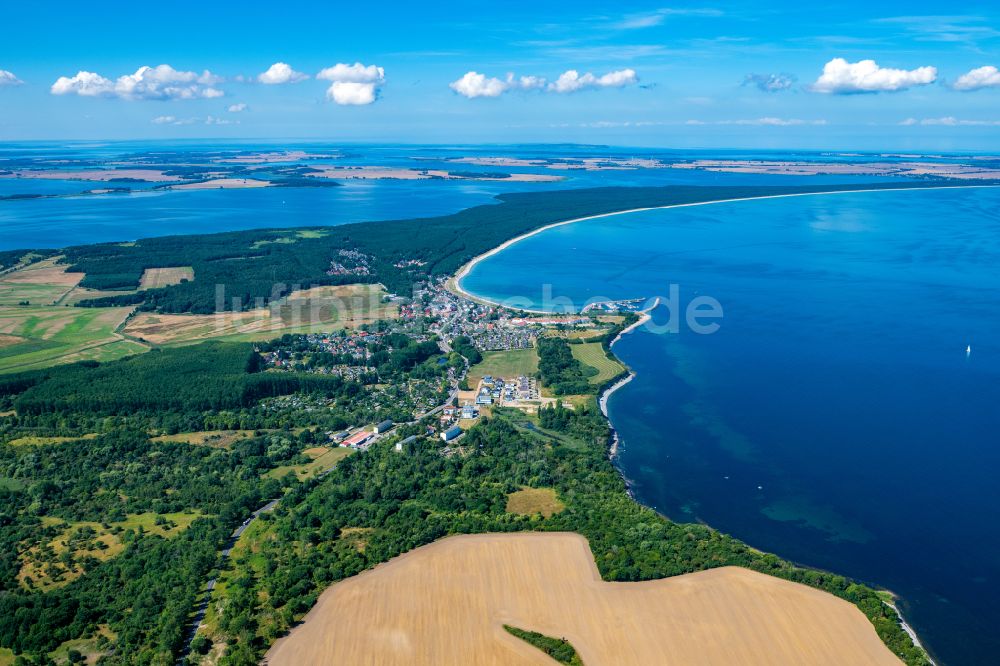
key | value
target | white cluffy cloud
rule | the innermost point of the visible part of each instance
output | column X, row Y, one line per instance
column 951, row 121
column 207, row 120
column 279, row 73
column 8, row 78
column 865, row 76
column 981, row 77
column 161, row 82
column 353, row 85
column 571, row 80
column 237, row 108
column 765, row 121
column 473, row 84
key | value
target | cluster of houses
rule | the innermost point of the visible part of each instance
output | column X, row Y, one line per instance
column 353, row 344
column 451, row 413
column 351, row 262
column 489, row 327
column 497, row 389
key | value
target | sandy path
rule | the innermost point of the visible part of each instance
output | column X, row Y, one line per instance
column 446, row 603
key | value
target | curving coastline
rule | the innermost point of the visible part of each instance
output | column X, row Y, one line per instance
column 602, row 399
column 455, row 283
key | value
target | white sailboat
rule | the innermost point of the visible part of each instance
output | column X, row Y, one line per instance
column 968, row 351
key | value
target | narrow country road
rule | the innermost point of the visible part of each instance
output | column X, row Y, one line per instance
column 202, row 607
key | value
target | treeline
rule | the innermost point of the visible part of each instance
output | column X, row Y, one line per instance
column 209, row 376
column 463, row 345
column 585, row 423
column 559, row 370
column 254, row 269
column 12, row 258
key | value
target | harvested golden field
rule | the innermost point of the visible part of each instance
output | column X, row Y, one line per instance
column 155, row 278
column 315, row 310
column 40, row 283
column 446, row 603
column 529, row 501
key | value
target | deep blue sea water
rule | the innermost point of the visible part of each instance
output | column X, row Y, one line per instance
column 835, row 418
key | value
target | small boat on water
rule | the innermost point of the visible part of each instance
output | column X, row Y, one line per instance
column 968, row 351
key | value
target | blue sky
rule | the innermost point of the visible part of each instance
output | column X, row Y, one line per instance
column 755, row 75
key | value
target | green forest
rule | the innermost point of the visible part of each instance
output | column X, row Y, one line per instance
column 400, row 500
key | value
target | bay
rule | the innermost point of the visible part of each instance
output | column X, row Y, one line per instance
column 836, row 417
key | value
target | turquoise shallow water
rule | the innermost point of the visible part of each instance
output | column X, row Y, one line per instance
column 835, row 418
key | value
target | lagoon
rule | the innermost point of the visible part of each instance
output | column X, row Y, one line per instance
column 835, row 418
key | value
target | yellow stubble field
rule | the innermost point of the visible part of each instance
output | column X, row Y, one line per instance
column 446, row 604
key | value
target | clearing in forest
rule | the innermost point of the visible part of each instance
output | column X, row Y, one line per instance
column 155, row 278
column 322, row 458
column 529, row 501
column 220, row 439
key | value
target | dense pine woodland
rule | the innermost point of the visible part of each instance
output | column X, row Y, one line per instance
column 255, row 269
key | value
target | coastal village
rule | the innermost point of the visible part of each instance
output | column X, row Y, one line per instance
column 458, row 393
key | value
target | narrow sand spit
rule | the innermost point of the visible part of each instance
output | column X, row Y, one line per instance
column 445, row 604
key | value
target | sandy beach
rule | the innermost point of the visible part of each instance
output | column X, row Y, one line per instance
column 456, row 284
column 223, row 184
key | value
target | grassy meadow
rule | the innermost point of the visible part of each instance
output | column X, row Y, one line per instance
column 505, row 364
column 529, row 501
column 56, row 563
column 592, row 354
column 323, row 458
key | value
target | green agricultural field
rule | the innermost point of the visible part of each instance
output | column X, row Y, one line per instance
column 592, row 354
column 40, row 336
column 41, row 283
column 505, row 364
